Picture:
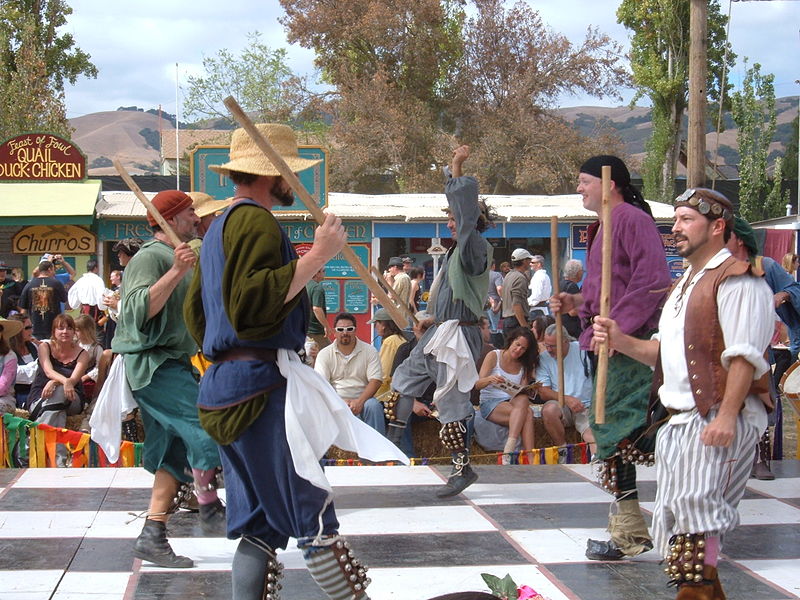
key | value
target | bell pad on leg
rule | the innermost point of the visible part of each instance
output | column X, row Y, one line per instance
column 453, row 435
column 685, row 561
column 336, row 570
column 389, row 401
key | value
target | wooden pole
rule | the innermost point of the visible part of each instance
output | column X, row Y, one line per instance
column 554, row 255
column 698, row 66
column 316, row 212
column 605, row 299
column 165, row 227
column 390, row 290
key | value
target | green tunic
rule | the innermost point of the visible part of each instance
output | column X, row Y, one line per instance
column 254, row 280
column 148, row 343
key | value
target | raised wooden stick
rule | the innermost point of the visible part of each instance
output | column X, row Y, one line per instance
column 605, row 299
column 556, row 290
column 316, row 212
column 162, row 222
column 390, row 290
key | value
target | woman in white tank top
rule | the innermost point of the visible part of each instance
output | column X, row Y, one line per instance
column 516, row 363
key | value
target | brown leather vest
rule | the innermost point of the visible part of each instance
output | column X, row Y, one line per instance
column 704, row 342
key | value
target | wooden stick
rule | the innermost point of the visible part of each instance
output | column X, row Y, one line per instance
column 162, row 222
column 316, row 212
column 605, row 299
column 556, row 290
column 390, row 290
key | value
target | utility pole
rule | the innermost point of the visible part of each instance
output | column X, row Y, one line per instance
column 696, row 138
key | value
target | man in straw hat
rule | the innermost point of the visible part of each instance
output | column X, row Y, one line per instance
column 639, row 282
column 156, row 345
column 456, row 301
column 247, row 307
column 710, row 371
column 207, row 209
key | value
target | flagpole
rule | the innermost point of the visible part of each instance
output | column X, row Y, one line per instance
column 177, row 137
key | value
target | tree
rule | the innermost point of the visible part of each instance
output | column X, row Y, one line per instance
column 754, row 112
column 258, row 78
column 28, row 100
column 513, row 70
column 660, row 63
column 35, row 61
column 63, row 60
column 409, row 80
column 390, row 66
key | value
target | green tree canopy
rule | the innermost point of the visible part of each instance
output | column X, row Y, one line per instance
column 659, row 60
column 258, row 78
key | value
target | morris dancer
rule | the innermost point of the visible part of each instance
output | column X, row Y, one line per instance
column 247, row 307
column 153, row 337
column 640, row 280
column 714, row 332
column 456, row 301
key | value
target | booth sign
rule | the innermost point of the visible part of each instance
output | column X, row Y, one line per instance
column 41, row 157
column 54, row 239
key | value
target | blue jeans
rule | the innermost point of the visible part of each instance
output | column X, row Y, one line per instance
column 494, row 320
column 372, row 414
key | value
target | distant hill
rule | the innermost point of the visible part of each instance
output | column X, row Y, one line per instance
column 634, row 127
column 133, row 135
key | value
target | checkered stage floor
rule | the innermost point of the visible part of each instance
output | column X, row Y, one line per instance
column 64, row 536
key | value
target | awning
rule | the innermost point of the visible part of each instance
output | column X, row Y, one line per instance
column 48, row 203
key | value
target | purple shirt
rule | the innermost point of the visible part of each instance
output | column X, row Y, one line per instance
column 640, row 278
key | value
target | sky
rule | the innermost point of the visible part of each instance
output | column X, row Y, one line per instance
column 136, row 45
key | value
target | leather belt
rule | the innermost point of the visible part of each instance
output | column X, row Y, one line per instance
column 672, row 412
column 261, row 354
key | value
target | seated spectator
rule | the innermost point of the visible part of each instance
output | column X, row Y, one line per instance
column 538, row 327
column 391, row 339
column 8, row 365
column 57, row 390
column 353, row 368
column 577, row 390
column 515, row 364
column 99, row 363
column 24, row 346
column 423, row 406
column 573, row 274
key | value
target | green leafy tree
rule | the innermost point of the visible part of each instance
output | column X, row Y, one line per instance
column 37, row 22
column 660, row 63
column 35, row 62
column 790, row 155
column 754, row 112
column 258, row 78
column 28, row 100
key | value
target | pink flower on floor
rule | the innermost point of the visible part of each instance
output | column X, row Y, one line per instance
column 528, row 593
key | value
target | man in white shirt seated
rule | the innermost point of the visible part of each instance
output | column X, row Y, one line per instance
column 577, row 390
column 353, row 368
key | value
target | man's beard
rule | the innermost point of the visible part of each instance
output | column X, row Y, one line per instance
column 284, row 197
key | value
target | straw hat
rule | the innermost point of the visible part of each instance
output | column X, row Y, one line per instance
column 247, row 158
column 205, row 205
column 9, row 328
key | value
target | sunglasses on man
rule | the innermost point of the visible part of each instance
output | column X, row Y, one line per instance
column 348, row 329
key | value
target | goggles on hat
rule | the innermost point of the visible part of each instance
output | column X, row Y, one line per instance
column 705, row 206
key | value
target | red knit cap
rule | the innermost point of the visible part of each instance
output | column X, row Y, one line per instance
column 169, row 203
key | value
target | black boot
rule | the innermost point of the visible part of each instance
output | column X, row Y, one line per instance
column 461, row 477
column 761, row 468
column 152, row 546
column 212, row 519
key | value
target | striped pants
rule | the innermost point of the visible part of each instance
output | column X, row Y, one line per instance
column 699, row 486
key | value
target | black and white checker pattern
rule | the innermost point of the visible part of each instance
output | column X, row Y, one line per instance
column 67, row 534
